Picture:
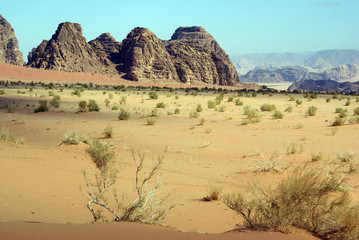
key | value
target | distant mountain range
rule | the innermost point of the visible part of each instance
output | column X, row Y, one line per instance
column 325, row 86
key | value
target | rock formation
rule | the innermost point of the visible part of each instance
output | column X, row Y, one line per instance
column 144, row 56
column 324, row 86
column 9, row 46
column 191, row 56
column 196, row 53
column 67, row 50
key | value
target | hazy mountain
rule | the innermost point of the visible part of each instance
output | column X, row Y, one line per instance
column 333, row 58
column 325, row 86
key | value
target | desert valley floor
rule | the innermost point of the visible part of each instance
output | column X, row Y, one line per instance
column 42, row 181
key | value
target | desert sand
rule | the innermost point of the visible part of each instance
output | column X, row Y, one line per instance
column 41, row 182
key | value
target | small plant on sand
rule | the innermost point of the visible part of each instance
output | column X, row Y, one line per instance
column 153, row 95
column 317, row 157
column 123, row 100
column 222, row 108
column 102, row 195
column 267, row 165
column 289, row 109
column 356, row 111
column 312, row 111
column 305, row 199
column 2, row 92
column 213, row 193
column 177, row 111
column 43, row 107
column 193, row 114
column 239, row 102
column 6, row 135
column 82, row 106
column 252, row 114
column 277, row 114
column 354, row 120
column 108, row 131
column 150, row 121
column 211, row 104
column 160, row 105
column 338, row 121
column 124, row 115
column 202, row 121
column 55, row 103
column 268, row 107
column 74, row 138
column 93, row 106
column 298, row 102
column 199, row 108
column 293, row 149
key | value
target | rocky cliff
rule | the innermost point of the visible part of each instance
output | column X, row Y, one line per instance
column 198, row 57
column 68, row 51
column 325, row 86
column 191, row 55
column 9, row 46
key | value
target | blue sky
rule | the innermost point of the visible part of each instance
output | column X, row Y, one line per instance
column 240, row 26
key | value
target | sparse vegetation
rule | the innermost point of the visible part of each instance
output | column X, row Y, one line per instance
column 312, row 111
column 277, row 114
column 252, row 114
column 74, row 138
column 124, row 115
column 151, row 121
column 108, row 131
column 267, row 107
column 160, row 105
column 42, row 107
column 213, row 193
column 6, row 135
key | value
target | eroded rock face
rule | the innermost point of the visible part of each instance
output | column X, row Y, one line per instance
column 144, row 56
column 107, row 48
column 190, row 44
column 67, row 50
column 9, row 46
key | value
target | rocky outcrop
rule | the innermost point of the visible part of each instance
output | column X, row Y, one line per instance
column 196, row 53
column 324, row 86
column 343, row 72
column 191, row 56
column 67, row 50
column 144, row 56
column 9, row 46
column 332, row 58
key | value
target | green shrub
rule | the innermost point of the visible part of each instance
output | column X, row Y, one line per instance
column 73, row 138
column 338, row 121
column 153, row 95
column 42, row 107
column 213, row 193
column 277, row 114
column 328, row 100
column 289, row 109
column 6, row 135
column 107, row 102
column 202, row 121
column 10, row 109
column 2, row 92
column 356, row 111
column 298, row 102
column 82, row 106
column 230, row 98
column 268, row 107
column 239, row 102
column 253, row 115
column 160, row 105
column 199, row 108
column 124, row 115
column 108, row 131
column 312, row 111
column 177, row 111
column 101, row 153
column 151, row 121
column 291, row 98
column 123, row 100
column 222, row 108
column 193, row 114
column 211, row 104
column 341, row 110
column 115, row 107
column 354, row 120
column 54, row 102
column 92, row 106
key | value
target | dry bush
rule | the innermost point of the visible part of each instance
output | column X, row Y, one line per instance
column 6, row 135
column 268, row 164
column 74, row 138
column 108, row 131
column 213, row 193
column 307, row 200
column 146, row 207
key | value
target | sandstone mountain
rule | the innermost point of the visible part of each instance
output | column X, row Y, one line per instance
column 333, row 58
column 67, row 51
column 191, row 56
column 9, row 46
column 325, row 86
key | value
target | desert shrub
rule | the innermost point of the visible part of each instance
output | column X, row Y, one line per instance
column 277, row 114
column 2, row 92
column 347, row 157
column 93, row 106
column 341, row 110
column 146, row 207
column 222, row 108
column 356, row 111
column 108, row 131
column 76, row 92
column 115, row 107
column 54, row 102
column 151, row 121
column 293, row 149
column 56, row 97
column 211, row 104
column 110, row 96
column 230, row 98
column 213, row 193
column 42, row 107
column 160, row 105
column 154, row 113
column 123, row 100
column 177, row 111
column 298, row 102
column 10, row 109
column 317, row 157
column 338, row 121
column 307, row 200
column 202, row 121
column 199, row 108
column 312, row 111
column 289, row 109
column 267, row 164
column 82, row 106
column 267, row 107
column 291, row 98
column 153, row 95
column 328, row 100
column 74, row 138
column 239, row 102
column 193, row 114
column 124, row 115
column 252, row 114
column 354, row 120
column 347, row 103
column 107, row 102
column 6, row 135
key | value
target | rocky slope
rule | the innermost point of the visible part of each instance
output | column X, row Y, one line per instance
column 332, row 58
column 191, row 55
column 325, row 86
column 67, row 51
column 9, row 46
